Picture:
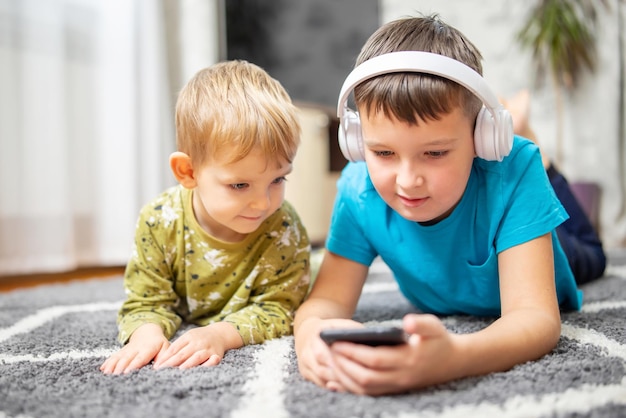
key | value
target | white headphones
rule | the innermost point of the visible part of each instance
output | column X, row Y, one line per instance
column 493, row 135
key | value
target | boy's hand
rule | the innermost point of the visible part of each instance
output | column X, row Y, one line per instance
column 425, row 360
column 200, row 346
column 314, row 357
column 145, row 344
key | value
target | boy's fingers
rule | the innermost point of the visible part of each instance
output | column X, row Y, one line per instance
column 423, row 325
column 121, row 365
column 166, row 351
column 214, row 360
column 137, row 362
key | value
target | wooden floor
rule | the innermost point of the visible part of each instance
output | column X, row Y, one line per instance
column 8, row 283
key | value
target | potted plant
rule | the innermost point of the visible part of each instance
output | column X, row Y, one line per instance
column 561, row 35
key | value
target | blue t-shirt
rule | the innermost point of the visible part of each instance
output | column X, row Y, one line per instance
column 451, row 267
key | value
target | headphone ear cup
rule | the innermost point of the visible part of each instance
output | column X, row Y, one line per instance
column 505, row 133
column 350, row 137
column 484, row 135
column 493, row 139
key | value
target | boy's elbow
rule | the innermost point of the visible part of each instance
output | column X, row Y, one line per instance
column 552, row 333
column 555, row 334
column 542, row 334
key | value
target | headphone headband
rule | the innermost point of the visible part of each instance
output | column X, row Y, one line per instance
column 493, row 128
column 419, row 62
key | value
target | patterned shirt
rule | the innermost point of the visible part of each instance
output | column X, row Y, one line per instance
column 177, row 272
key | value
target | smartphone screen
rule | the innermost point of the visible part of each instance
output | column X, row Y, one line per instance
column 372, row 336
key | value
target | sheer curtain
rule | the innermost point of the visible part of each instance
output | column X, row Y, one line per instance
column 87, row 90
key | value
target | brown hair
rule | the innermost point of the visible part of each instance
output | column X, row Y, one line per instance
column 408, row 96
column 231, row 108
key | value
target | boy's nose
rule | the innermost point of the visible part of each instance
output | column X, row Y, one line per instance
column 261, row 201
column 409, row 177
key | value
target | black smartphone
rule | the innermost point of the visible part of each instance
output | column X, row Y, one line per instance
column 372, row 336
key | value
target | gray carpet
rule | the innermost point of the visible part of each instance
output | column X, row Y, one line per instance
column 53, row 339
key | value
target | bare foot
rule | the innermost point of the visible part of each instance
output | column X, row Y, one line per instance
column 519, row 108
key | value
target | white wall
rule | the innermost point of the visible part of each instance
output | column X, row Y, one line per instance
column 591, row 115
column 311, row 185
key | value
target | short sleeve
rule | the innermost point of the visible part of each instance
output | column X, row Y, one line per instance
column 531, row 208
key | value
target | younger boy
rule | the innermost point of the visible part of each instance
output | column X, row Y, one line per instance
column 222, row 250
column 462, row 234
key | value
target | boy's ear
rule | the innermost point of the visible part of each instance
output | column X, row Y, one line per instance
column 181, row 166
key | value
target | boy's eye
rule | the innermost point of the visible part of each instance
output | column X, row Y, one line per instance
column 383, row 153
column 280, row 180
column 436, row 154
column 239, row 186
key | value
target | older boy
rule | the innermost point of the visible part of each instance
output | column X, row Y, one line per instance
column 462, row 235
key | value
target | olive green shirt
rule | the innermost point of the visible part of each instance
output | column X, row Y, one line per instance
column 177, row 272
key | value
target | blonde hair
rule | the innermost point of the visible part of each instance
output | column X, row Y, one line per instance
column 408, row 96
column 230, row 108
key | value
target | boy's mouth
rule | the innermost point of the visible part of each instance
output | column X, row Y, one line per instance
column 252, row 218
column 412, row 202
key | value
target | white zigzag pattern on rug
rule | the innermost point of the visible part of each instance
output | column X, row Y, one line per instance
column 265, row 386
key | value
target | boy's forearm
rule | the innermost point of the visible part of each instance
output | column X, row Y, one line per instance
column 518, row 337
column 229, row 334
column 149, row 328
column 131, row 320
column 256, row 323
column 318, row 308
